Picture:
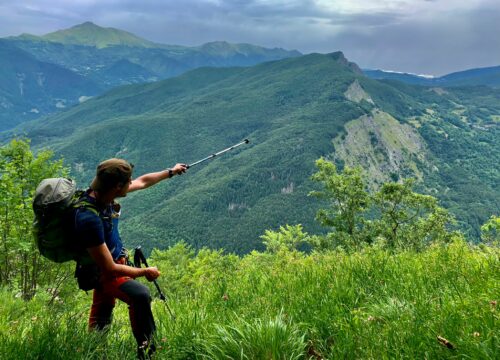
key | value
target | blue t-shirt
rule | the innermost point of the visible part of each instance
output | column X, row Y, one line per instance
column 94, row 230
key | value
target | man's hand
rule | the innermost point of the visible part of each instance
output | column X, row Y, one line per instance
column 151, row 273
column 179, row 169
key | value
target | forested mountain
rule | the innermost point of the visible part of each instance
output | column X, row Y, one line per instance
column 293, row 111
column 489, row 76
column 61, row 68
column 30, row 87
column 89, row 34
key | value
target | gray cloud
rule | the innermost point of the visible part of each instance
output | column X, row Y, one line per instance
column 420, row 36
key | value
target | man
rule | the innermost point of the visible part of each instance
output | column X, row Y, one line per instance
column 103, row 267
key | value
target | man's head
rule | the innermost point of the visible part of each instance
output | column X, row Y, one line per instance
column 112, row 174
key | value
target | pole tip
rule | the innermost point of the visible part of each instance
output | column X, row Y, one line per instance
column 246, row 141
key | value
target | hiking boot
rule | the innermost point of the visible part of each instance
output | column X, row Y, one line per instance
column 145, row 351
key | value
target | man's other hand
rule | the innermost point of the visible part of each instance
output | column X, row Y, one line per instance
column 151, row 273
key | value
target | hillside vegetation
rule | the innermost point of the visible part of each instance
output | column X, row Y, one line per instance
column 439, row 303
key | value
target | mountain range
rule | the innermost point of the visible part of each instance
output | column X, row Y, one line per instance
column 94, row 59
column 293, row 111
column 30, row 88
column 488, row 76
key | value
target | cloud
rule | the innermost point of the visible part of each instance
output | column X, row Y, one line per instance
column 420, row 36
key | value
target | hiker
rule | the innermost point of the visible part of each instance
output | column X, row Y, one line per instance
column 104, row 267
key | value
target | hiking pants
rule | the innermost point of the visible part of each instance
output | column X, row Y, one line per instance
column 132, row 292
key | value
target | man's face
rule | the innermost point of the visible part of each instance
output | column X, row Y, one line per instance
column 123, row 189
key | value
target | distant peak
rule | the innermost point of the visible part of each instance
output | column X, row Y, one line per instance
column 87, row 23
column 341, row 59
column 218, row 42
column 90, row 34
column 216, row 45
column 338, row 55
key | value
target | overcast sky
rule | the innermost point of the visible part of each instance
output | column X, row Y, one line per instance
column 418, row 36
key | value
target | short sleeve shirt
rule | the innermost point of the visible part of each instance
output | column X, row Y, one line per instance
column 93, row 230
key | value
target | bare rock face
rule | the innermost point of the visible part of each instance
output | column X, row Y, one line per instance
column 382, row 146
column 356, row 93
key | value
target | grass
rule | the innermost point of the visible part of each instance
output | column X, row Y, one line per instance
column 364, row 305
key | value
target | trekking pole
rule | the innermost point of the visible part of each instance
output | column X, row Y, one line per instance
column 140, row 258
column 246, row 141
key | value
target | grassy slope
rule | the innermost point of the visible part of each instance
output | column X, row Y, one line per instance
column 366, row 305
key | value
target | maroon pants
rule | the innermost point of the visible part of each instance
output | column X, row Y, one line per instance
column 132, row 292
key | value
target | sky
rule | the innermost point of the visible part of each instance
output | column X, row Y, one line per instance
column 431, row 37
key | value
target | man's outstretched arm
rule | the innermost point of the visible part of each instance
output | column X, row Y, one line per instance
column 150, row 179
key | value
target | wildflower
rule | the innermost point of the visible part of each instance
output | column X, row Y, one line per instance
column 34, row 318
column 371, row 318
column 493, row 304
column 476, row 334
column 225, row 297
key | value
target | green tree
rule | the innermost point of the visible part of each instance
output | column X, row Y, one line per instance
column 289, row 237
column 21, row 266
column 407, row 219
column 490, row 231
column 348, row 200
column 394, row 216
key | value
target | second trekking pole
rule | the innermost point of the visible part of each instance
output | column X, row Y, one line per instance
column 139, row 259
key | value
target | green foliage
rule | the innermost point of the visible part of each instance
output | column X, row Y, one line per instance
column 289, row 237
column 370, row 304
column 408, row 219
column 21, row 266
column 394, row 216
column 490, row 231
column 347, row 197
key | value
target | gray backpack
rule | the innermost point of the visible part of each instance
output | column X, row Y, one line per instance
column 54, row 205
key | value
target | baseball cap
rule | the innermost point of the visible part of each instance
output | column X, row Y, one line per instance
column 110, row 173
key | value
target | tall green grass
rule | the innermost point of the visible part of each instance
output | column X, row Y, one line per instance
column 371, row 304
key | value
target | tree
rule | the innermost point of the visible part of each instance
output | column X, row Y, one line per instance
column 21, row 266
column 490, row 231
column 394, row 215
column 348, row 199
column 407, row 219
column 289, row 237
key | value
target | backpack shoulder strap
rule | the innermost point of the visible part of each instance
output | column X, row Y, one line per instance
column 82, row 203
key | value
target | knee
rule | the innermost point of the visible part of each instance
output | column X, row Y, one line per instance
column 142, row 295
column 137, row 292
